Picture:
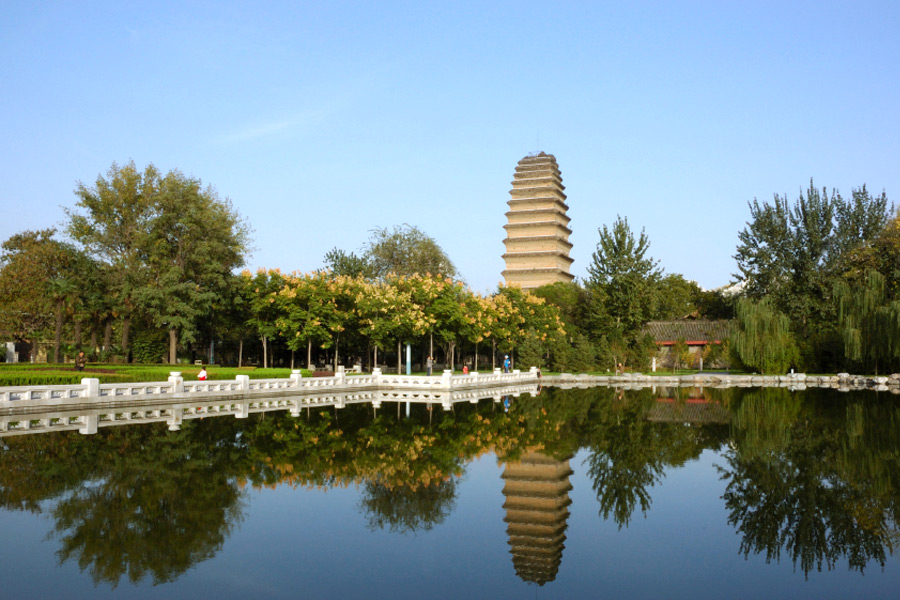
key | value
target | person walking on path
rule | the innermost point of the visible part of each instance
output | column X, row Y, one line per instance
column 429, row 364
column 506, row 363
column 80, row 361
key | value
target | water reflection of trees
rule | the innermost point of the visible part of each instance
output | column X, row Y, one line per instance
column 812, row 476
column 130, row 502
column 405, row 509
column 817, row 479
column 629, row 454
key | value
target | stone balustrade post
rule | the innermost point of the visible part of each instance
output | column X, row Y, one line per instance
column 242, row 410
column 376, row 376
column 91, row 421
column 497, row 371
column 175, row 420
column 177, row 382
column 445, row 378
column 340, row 374
column 296, row 375
column 243, row 382
column 91, row 387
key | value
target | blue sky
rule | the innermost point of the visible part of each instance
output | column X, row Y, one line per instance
column 321, row 121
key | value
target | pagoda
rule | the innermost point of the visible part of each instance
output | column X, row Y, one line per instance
column 537, row 229
column 537, row 499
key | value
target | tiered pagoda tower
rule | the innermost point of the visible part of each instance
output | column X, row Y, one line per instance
column 537, row 499
column 537, row 229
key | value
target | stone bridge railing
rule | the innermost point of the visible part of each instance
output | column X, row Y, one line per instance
column 92, row 390
column 87, row 415
column 796, row 381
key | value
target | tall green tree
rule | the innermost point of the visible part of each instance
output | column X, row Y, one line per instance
column 676, row 298
column 628, row 278
column 194, row 243
column 342, row 263
column 38, row 282
column 118, row 211
column 168, row 244
column 406, row 250
column 882, row 254
column 259, row 293
column 793, row 253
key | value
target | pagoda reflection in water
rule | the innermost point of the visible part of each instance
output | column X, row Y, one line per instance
column 536, row 488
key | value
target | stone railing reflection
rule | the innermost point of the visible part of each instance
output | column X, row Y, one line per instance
column 86, row 415
column 794, row 381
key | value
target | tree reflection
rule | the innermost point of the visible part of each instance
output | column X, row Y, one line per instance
column 407, row 508
column 149, row 503
column 630, row 454
column 814, row 476
column 800, row 481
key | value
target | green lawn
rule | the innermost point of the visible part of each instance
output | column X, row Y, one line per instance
column 14, row 374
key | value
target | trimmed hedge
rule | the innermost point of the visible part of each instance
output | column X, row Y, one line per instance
column 18, row 374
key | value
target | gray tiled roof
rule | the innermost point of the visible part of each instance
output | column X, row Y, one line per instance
column 688, row 330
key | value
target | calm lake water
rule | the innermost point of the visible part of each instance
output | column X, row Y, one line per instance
column 596, row 493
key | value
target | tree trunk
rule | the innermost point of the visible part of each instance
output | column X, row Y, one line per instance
column 476, row 357
column 292, row 360
column 241, row 353
column 493, row 353
column 57, row 337
column 107, row 333
column 77, row 333
column 126, row 326
column 399, row 356
column 93, row 336
column 173, row 346
column 337, row 342
column 265, row 346
column 375, row 366
column 309, row 364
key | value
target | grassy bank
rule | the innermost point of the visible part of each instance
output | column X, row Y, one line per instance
column 15, row 374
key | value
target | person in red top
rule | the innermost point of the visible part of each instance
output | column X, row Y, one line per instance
column 202, row 374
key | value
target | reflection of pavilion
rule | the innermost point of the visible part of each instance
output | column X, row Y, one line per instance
column 536, row 489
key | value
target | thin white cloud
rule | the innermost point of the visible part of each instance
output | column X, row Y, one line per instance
column 272, row 128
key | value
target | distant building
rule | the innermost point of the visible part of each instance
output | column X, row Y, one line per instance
column 696, row 333
column 537, row 229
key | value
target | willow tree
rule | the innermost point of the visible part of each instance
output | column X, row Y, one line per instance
column 868, row 321
column 762, row 339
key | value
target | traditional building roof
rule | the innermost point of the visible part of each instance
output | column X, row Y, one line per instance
column 695, row 332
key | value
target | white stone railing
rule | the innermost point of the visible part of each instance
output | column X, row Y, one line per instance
column 90, row 388
column 795, row 381
column 122, row 409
